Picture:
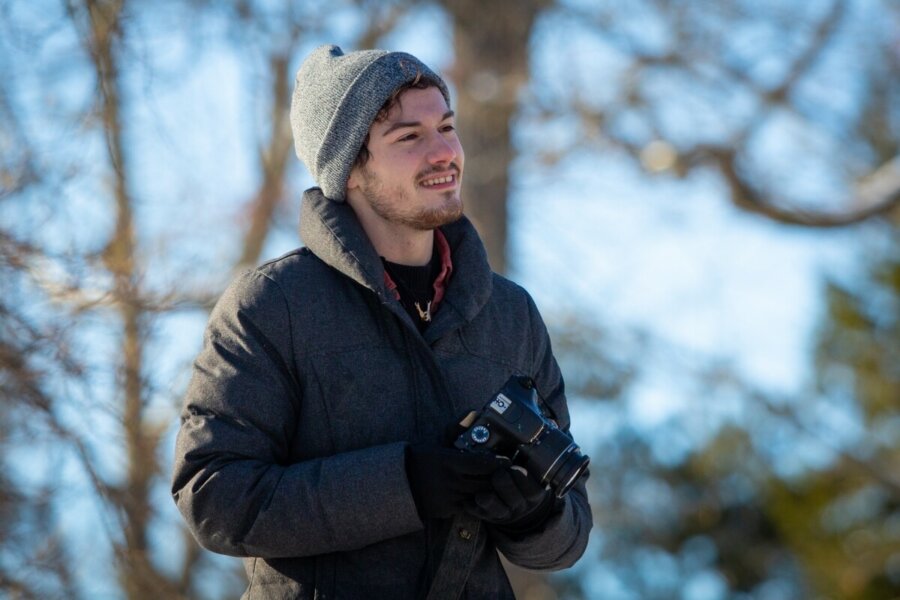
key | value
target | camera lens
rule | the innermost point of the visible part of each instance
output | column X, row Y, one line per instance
column 571, row 467
column 558, row 459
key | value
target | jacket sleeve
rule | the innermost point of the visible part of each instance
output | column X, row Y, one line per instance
column 561, row 541
column 233, row 479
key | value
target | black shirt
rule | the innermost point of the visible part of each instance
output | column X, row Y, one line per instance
column 416, row 287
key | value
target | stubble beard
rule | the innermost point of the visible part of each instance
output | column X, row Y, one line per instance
column 385, row 203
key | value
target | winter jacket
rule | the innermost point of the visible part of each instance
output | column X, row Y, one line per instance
column 311, row 383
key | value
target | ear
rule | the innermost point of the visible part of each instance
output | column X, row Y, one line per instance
column 353, row 179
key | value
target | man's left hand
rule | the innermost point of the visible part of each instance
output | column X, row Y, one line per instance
column 517, row 504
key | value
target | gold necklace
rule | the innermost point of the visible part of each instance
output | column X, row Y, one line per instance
column 425, row 315
column 401, row 287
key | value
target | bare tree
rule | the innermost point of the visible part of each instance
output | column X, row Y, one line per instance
column 101, row 28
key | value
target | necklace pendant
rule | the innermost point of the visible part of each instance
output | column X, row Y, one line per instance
column 425, row 315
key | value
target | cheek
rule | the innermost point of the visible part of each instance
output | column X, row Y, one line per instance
column 407, row 164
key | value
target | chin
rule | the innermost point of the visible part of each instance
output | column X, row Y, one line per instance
column 444, row 215
column 452, row 211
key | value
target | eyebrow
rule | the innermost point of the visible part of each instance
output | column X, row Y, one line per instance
column 402, row 124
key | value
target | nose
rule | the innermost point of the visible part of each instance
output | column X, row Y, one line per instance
column 442, row 150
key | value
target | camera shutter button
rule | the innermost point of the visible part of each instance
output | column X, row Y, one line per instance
column 480, row 434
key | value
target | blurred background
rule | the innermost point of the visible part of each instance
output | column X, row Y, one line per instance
column 702, row 196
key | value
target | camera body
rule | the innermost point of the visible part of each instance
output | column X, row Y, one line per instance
column 511, row 424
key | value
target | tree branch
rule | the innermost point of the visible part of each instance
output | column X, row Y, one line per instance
column 880, row 196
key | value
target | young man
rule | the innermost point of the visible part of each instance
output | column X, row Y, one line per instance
column 313, row 439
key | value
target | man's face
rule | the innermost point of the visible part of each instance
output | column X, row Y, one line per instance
column 414, row 173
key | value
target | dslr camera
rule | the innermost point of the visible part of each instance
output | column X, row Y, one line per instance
column 512, row 424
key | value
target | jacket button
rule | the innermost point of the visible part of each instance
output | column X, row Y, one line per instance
column 465, row 534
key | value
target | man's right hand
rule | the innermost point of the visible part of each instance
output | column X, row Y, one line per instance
column 444, row 481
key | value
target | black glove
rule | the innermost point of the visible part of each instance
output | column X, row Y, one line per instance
column 517, row 503
column 445, row 481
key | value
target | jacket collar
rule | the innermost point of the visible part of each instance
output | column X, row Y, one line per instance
column 333, row 233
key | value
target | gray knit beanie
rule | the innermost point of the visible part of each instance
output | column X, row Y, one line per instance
column 336, row 98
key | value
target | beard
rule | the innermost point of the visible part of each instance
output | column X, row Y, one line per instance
column 399, row 205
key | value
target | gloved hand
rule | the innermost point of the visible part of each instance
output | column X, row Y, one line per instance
column 444, row 481
column 516, row 503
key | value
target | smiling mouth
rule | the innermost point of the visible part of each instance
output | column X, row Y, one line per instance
column 439, row 180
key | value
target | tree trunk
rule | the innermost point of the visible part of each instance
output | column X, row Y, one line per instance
column 491, row 43
column 140, row 579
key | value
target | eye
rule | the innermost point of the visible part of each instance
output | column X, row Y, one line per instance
column 408, row 137
column 448, row 128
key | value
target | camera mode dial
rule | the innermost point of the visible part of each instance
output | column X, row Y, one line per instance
column 480, row 434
